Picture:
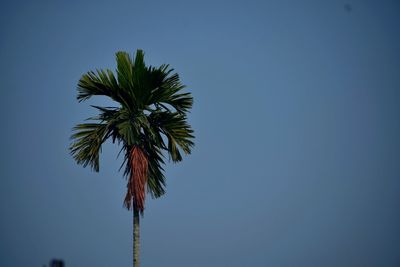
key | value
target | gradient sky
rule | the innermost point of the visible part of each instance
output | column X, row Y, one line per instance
column 296, row 115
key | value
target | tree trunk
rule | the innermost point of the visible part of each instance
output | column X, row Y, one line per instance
column 136, row 238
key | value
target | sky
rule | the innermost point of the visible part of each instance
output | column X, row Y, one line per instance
column 296, row 116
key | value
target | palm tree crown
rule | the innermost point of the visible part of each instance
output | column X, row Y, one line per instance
column 149, row 123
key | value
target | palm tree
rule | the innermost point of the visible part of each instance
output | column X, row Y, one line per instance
column 149, row 123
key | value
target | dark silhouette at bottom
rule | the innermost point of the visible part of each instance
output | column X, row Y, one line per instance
column 57, row 263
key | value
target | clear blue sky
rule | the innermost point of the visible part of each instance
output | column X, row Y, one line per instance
column 296, row 115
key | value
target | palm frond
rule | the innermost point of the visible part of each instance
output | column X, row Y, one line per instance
column 102, row 82
column 156, row 179
column 124, row 71
column 133, row 77
column 167, row 91
column 178, row 132
column 87, row 141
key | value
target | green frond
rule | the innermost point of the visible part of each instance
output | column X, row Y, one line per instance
column 167, row 92
column 133, row 77
column 97, row 83
column 156, row 179
column 139, row 60
column 129, row 132
column 106, row 113
column 181, row 102
column 178, row 132
column 124, row 70
column 87, row 141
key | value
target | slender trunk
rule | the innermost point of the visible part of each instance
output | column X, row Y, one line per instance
column 136, row 238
